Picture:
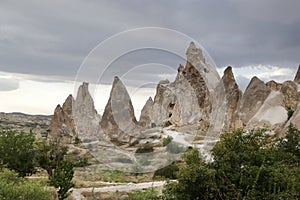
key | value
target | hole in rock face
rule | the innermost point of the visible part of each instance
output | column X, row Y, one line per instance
column 170, row 114
column 168, row 123
column 171, row 105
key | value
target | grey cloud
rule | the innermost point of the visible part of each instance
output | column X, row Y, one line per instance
column 8, row 84
column 53, row 37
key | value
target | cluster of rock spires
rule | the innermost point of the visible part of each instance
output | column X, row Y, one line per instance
column 197, row 98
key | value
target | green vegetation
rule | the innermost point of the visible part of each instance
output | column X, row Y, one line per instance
column 21, row 154
column 148, row 148
column 169, row 171
column 51, row 156
column 247, row 165
column 150, row 194
column 61, row 178
column 13, row 187
column 167, row 140
column 17, row 151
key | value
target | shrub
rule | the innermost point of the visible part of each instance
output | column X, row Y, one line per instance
column 17, row 151
column 167, row 140
column 13, row 187
column 167, row 171
column 148, row 148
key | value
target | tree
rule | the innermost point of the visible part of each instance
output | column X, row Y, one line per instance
column 51, row 156
column 61, row 179
column 196, row 180
column 246, row 165
column 17, row 151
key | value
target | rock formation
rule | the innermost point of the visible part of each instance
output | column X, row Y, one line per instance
column 86, row 118
column 145, row 117
column 255, row 95
column 274, row 85
column 297, row 77
column 233, row 96
column 76, row 117
column 61, row 125
column 188, row 100
column 118, row 120
column 290, row 91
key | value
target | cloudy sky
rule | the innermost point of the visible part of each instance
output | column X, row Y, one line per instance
column 46, row 46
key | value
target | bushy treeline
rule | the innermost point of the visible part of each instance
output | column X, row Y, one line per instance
column 22, row 155
column 246, row 165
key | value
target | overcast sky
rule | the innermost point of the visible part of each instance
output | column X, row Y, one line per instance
column 44, row 43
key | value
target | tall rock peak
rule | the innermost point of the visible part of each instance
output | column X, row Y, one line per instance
column 68, row 105
column 118, row 120
column 297, row 77
column 233, row 96
column 194, row 54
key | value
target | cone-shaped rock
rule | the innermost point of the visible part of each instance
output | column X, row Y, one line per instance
column 85, row 116
column 233, row 96
column 118, row 120
column 253, row 98
column 297, row 77
column 61, row 125
column 145, row 118
column 68, row 105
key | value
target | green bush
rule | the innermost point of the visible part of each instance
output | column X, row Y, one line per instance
column 246, row 165
column 13, row 187
column 167, row 171
column 17, row 151
column 167, row 140
column 148, row 148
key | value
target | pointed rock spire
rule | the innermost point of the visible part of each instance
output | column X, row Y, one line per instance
column 118, row 120
column 145, row 118
column 61, row 125
column 297, row 77
column 68, row 105
column 233, row 96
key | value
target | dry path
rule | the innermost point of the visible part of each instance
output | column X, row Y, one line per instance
column 128, row 187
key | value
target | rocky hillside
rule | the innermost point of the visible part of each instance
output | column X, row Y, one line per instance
column 23, row 122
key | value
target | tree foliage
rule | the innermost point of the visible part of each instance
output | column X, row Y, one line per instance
column 51, row 156
column 13, row 187
column 17, row 151
column 61, row 179
column 246, row 165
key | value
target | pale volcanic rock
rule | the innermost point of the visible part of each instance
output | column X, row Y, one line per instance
column 85, row 116
column 274, row 85
column 233, row 96
column 297, row 77
column 272, row 114
column 289, row 90
column 61, row 126
column 253, row 98
column 295, row 119
column 118, row 120
column 145, row 117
